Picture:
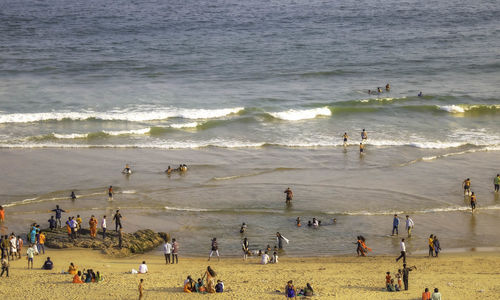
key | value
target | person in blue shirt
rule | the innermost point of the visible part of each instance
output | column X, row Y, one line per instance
column 58, row 212
column 48, row 265
column 395, row 224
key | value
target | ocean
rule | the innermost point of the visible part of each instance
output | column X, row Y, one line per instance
column 254, row 97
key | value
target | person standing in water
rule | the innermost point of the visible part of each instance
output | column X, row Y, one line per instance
column 110, row 193
column 361, row 148
column 496, row 181
column 395, row 225
column 345, row 136
column 280, row 240
column 73, row 196
column 388, row 87
column 364, row 135
column 409, row 225
column 473, row 201
column 466, row 185
column 126, row 170
column 289, row 195
column 244, row 246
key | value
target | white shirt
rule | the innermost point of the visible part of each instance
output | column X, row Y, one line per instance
column 409, row 223
column 167, row 248
column 402, row 246
column 143, row 268
column 265, row 259
column 103, row 223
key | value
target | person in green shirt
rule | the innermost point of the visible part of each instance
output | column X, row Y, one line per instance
column 497, row 182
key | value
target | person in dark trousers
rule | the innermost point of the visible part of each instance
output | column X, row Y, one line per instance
column 280, row 239
column 406, row 273
column 58, row 212
column 52, row 223
column 175, row 251
column 5, row 266
column 120, row 238
column 395, row 225
column 403, row 251
column 117, row 219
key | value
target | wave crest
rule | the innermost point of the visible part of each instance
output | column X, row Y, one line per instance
column 301, row 114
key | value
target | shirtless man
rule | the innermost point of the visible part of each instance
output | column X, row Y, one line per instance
column 466, row 186
column 345, row 136
column 289, row 195
column 473, row 201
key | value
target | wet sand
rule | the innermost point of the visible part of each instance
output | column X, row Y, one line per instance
column 458, row 276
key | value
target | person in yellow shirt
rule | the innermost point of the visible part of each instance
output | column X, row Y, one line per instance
column 431, row 245
column 41, row 242
column 72, row 269
column 79, row 222
column 466, row 186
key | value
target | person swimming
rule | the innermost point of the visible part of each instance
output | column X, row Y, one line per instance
column 127, row 170
column 379, row 90
column 169, row 170
column 387, row 87
column 420, row 94
column 243, row 228
column 364, row 135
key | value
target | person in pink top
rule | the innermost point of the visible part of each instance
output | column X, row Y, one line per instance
column 175, row 251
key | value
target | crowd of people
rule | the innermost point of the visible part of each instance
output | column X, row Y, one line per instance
column 204, row 284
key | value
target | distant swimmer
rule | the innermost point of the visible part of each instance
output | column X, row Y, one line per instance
column 127, row 170
column 387, row 87
column 110, row 193
column 182, row 168
column 169, row 170
column 243, row 228
column 289, row 195
column 379, row 90
column 473, row 201
column 361, row 148
column 369, row 92
column 73, row 196
column 466, row 185
column 420, row 94
column 345, row 136
column 497, row 183
column 298, row 222
column 364, row 135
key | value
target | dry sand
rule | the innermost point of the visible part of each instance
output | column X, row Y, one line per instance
column 458, row 276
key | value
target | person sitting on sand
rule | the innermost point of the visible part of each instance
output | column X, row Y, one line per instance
column 210, row 274
column 390, row 286
column 426, row 295
column 76, row 278
column 265, row 259
column 275, row 258
column 290, row 290
column 72, row 269
column 436, row 295
column 88, row 276
column 219, row 287
column 143, row 268
column 308, row 290
column 200, row 286
column 48, row 264
column 188, row 285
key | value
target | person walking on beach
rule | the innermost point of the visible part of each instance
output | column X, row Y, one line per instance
column 103, row 227
column 402, row 247
column 117, row 219
column 466, row 185
column 437, row 246
column 406, row 274
column 244, row 247
column 167, row 250
column 409, row 225
column 110, row 193
column 395, row 225
column 473, row 201
column 289, row 195
column 93, row 226
column 58, row 212
column 496, row 182
column 345, row 137
column 431, row 245
column 175, row 251
column 364, row 135
column 141, row 289
column 215, row 248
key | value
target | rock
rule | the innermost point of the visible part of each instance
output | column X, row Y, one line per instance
column 138, row 242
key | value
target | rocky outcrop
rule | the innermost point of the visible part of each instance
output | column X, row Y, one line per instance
column 138, row 242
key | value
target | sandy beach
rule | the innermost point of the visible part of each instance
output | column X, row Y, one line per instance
column 458, row 276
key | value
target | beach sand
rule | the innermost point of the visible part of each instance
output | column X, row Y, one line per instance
column 470, row 275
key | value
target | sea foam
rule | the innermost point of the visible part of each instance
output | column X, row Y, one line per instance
column 301, row 114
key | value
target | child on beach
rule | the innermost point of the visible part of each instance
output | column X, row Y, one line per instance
column 219, row 287
column 426, row 295
column 200, row 286
column 77, row 278
column 275, row 258
column 387, row 280
column 398, row 277
column 141, row 289
column 265, row 259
